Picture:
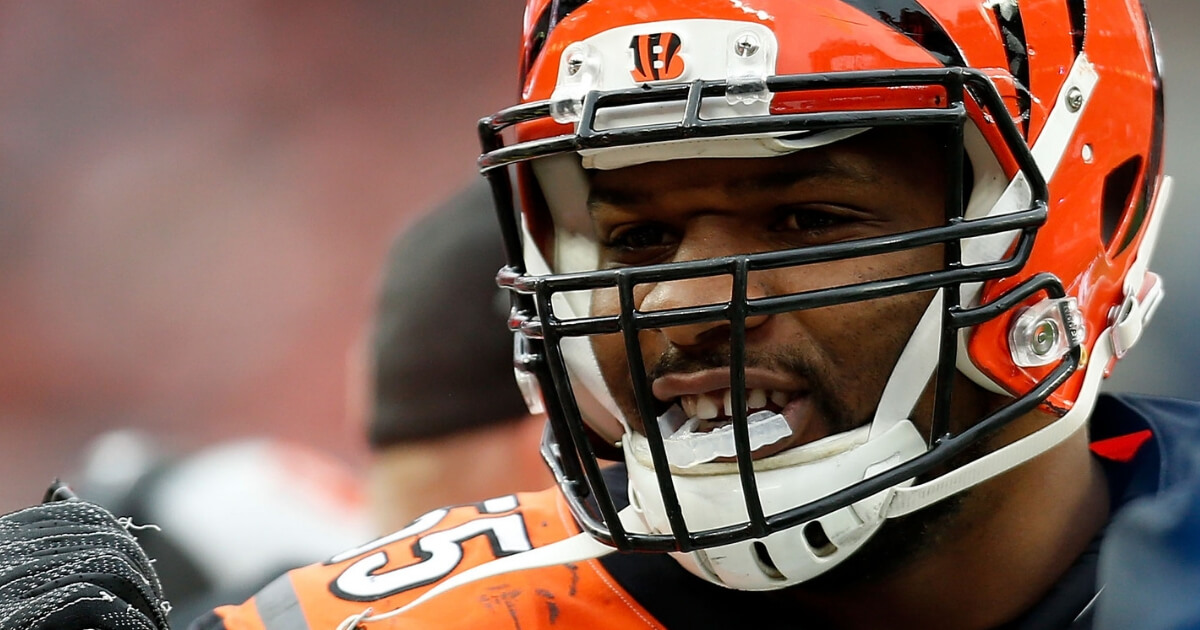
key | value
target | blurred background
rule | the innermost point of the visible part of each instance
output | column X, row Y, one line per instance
column 196, row 198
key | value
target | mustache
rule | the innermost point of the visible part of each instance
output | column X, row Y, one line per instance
column 674, row 361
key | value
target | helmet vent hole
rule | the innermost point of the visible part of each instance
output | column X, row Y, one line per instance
column 818, row 540
column 1118, row 195
column 765, row 563
column 705, row 565
column 1078, row 12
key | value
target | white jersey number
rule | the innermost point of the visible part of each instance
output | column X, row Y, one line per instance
column 439, row 553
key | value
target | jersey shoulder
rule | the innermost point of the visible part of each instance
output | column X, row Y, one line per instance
column 394, row 570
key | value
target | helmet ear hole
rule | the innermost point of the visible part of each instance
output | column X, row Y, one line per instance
column 818, row 540
column 1118, row 195
column 765, row 562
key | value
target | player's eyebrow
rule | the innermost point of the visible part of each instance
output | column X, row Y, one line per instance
column 599, row 196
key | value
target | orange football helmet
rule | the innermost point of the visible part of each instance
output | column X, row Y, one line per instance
column 1054, row 199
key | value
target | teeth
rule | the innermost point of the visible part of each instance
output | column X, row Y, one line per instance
column 757, row 399
column 710, row 405
column 689, row 405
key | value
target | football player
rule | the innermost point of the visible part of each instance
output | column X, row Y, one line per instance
column 836, row 282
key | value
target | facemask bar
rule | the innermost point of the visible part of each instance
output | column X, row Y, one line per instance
column 571, row 453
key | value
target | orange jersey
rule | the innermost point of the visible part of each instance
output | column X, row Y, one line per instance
column 394, row 570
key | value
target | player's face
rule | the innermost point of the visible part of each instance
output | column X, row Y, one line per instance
column 824, row 368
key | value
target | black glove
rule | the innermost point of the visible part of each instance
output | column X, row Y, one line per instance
column 70, row 565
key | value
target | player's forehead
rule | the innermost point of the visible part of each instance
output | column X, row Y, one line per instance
column 877, row 161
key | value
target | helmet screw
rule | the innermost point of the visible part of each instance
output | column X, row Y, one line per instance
column 574, row 63
column 1074, row 99
column 746, row 45
column 1045, row 336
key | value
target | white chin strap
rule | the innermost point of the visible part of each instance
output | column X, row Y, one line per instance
column 795, row 554
column 711, row 495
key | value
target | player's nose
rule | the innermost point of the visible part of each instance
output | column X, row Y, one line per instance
column 699, row 292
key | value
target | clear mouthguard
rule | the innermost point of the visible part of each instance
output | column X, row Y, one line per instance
column 686, row 447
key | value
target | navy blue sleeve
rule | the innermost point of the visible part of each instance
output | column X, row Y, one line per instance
column 1150, row 561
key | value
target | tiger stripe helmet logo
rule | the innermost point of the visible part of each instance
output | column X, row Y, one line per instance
column 656, row 57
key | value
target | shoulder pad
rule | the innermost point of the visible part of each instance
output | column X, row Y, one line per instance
column 392, row 571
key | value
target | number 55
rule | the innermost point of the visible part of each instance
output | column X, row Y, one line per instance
column 439, row 553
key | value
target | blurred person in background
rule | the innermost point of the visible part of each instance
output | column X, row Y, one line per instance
column 223, row 520
column 447, row 424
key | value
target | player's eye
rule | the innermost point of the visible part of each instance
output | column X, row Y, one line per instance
column 811, row 222
column 637, row 243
